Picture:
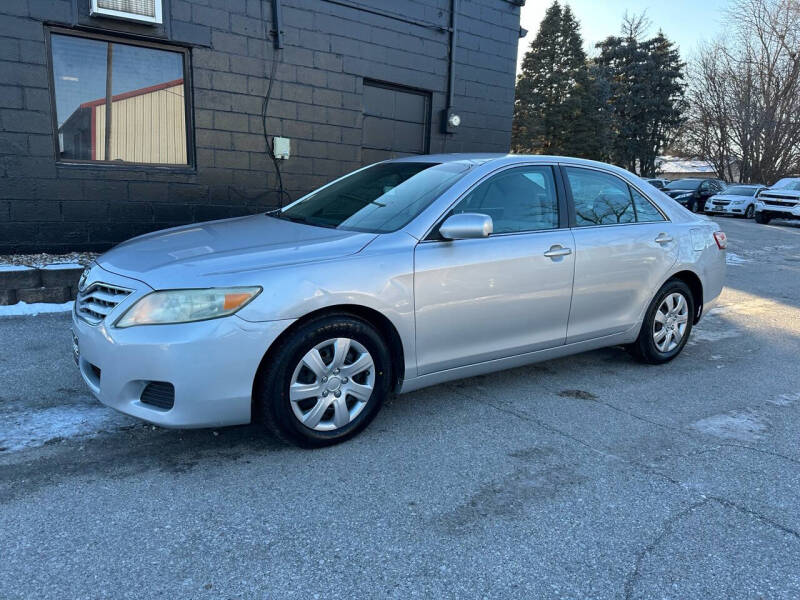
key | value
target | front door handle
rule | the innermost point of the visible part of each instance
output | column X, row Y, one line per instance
column 663, row 238
column 557, row 251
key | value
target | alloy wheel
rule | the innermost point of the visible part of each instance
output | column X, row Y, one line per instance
column 748, row 214
column 332, row 384
column 669, row 324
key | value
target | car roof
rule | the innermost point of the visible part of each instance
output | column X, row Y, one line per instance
column 489, row 157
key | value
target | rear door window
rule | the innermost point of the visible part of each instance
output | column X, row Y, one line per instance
column 600, row 198
column 604, row 199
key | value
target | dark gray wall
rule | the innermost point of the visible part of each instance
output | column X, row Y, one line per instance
column 317, row 101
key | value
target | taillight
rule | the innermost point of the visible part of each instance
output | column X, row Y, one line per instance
column 721, row 239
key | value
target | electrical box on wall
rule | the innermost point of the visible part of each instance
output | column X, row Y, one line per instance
column 280, row 147
column 143, row 11
column 450, row 120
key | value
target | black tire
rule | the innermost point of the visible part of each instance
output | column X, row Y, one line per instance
column 762, row 218
column 644, row 348
column 271, row 404
column 749, row 212
column 691, row 205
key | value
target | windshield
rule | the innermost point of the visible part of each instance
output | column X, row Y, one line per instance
column 787, row 184
column 684, row 184
column 379, row 199
column 741, row 190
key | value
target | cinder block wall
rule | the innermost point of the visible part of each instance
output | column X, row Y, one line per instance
column 316, row 101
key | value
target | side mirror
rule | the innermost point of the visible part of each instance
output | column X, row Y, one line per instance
column 466, row 226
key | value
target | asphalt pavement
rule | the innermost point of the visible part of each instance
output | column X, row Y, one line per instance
column 586, row 477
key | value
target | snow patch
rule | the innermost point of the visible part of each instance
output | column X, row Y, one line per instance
column 784, row 400
column 744, row 426
column 30, row 429
column 4, row 267
column 35, row 308
column 734, row 259
column 707, row 335
column 65, row 265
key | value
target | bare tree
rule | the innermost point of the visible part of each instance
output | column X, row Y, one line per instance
column 744, row 94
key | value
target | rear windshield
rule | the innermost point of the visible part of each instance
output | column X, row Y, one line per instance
column 379, row 199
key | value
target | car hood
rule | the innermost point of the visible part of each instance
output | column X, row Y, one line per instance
column 781, row 193
column 226, row 251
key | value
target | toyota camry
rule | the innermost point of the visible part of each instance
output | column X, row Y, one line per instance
column 400, row 275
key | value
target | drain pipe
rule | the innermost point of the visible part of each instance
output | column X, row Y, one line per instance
column 451, row 120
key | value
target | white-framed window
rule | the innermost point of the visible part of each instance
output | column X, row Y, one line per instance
column 145, row 11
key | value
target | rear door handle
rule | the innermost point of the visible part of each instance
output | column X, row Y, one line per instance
column 663, row 238
column 557, row 251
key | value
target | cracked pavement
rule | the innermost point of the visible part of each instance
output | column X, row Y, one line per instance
column 586, row 477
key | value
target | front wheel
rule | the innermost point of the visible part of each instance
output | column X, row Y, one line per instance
column 762, row 218
column 748, row 213
column 325, row 382
column 667, row 324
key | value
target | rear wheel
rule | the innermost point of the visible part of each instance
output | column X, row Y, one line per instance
column 325, row 382
column 667, row 324
column 762, row 218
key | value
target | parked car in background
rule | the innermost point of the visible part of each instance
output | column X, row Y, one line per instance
column 401, row 275
column 779, row 201
column 736, row 200
column 693, row 193
column 657, row 182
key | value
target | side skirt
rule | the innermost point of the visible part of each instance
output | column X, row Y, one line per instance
column 519, row 360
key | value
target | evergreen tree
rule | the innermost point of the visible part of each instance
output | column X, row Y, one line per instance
column 646, row 90
column 556, row 110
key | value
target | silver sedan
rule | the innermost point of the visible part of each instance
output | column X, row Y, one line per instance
column 403, row 274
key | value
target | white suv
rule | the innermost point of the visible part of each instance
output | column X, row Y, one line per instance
column 781, row 201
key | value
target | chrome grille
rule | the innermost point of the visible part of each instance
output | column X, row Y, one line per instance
column 96, row 301
column 777, row 199
column 721, row 202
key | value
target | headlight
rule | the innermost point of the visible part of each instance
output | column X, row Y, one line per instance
column 737, row 201
column 683, row 195
column 184, row 306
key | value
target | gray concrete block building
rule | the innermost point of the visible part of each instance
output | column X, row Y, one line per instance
column 119, row 117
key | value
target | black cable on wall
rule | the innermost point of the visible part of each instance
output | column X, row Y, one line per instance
column 276, row 54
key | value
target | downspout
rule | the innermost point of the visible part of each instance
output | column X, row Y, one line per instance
column 451, row 71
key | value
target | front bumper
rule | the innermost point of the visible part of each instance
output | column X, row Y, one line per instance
column 211, row 364
column 778, row 212
column 736, row 210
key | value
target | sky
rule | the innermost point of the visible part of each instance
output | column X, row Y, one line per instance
column 683, row 21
